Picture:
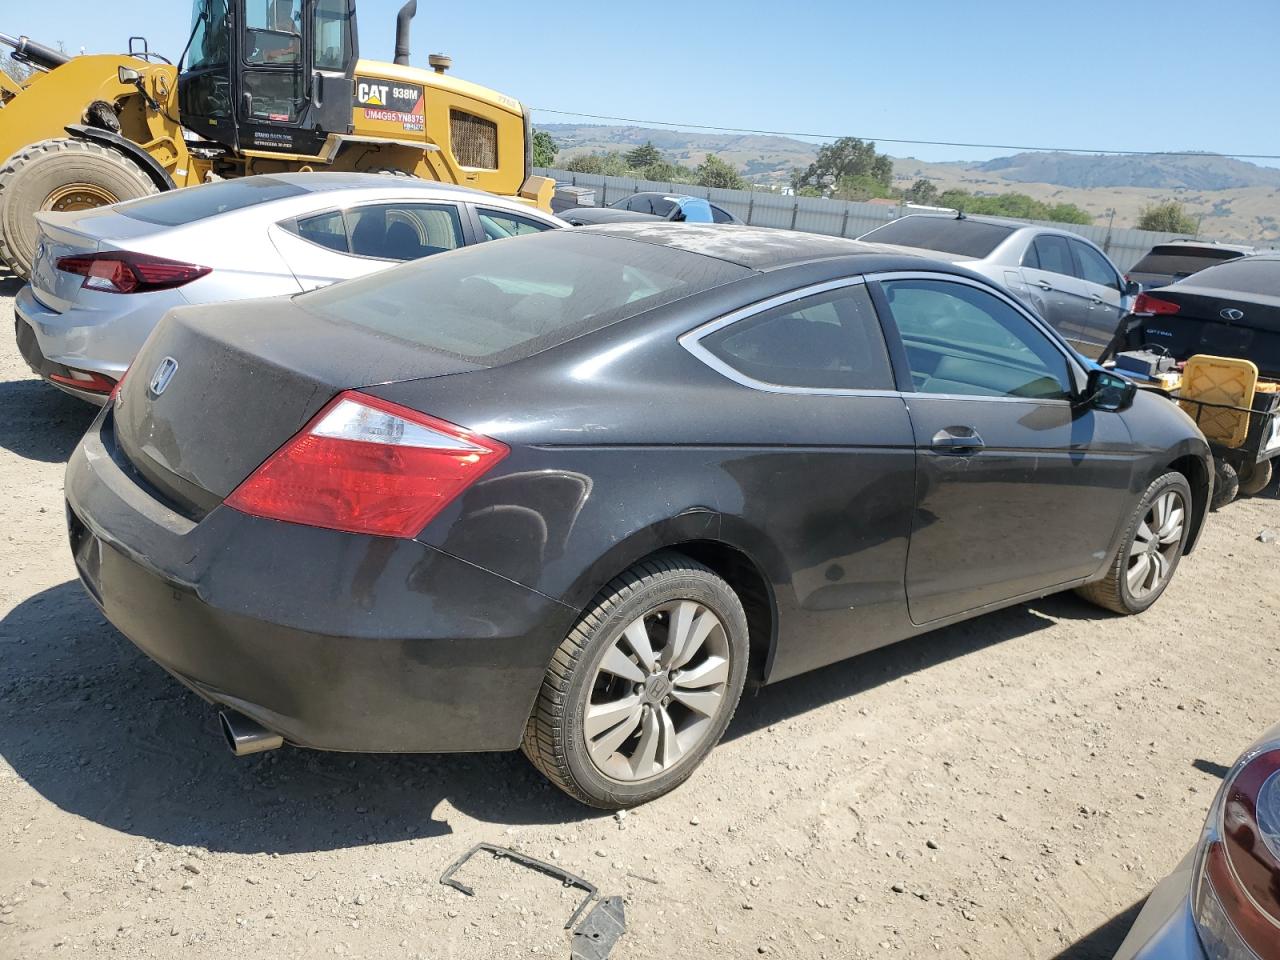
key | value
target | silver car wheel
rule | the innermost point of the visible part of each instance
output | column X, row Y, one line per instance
column 1156, row 544
column 658, row 691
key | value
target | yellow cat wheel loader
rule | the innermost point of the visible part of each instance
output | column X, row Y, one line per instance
column 263, row 86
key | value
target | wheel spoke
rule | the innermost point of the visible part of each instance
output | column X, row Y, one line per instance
column 702, row 627
column 638, row 637
column 603, row 748
column 681, row 620
column 620, row 665
column 704, row 702
column 600, row 717
column 1159, row 510
column 1138, row 571
column 1161, row 569
column 1144, row 533
column 670, row 748
column 711, row 671
column 647, row 750
column 1171, row 532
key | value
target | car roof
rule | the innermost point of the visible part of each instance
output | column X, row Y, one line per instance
column 759, row 248
column 1001, row 221
column 328, row 181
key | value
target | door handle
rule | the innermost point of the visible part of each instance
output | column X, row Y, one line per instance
column 1044, row 285
column 957, row 438
column 1096, row 299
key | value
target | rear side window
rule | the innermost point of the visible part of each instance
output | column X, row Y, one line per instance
column 964, row 238
column 386, row 231
column 207, row 200
column 498, row 224
column 719, row 215
column 1180, row 262
column 1053, row 254
column 831, row 340
column 1246, row 275
column 1094, row 266
column 492, row 303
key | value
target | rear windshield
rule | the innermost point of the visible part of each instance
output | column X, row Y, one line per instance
column 498, row 302
column 207, row 200
column 1246, row 275
column 964, row 238
column 1179, row 261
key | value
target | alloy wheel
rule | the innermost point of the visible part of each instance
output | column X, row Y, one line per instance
column 1156, row 544
column 657, row 691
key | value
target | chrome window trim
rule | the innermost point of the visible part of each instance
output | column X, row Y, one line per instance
column 692, row 341
column 1051, row 335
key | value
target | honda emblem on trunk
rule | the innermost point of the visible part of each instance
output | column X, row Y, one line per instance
column 160, row 379
column 1231, row 313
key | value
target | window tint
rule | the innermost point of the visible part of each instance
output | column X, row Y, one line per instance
column 1054, row 255
column 719, row 215
column 1178, row 261
column 1247, row 275
column 490, row 303
column 325, row 229
column 964, row 238
column 962, row 340
column 1029, row 259
column 831, row 340
column 209, row 36
column 661, row 206
column 498, row 224
column 1094, row 266
column 404, row 231
column 273, row 94
column 207, row 200
column 332, row 34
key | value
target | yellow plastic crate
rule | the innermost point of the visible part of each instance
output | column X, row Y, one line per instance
column 1227, row 381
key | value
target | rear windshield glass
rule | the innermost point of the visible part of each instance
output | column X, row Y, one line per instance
column 1179, row 261
column 207, row 200
column 498, row 302
column 964, row 238
column 1248, row 275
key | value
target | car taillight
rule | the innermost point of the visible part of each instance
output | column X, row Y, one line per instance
column 365, row 465
column 1237, row 901
column 1147, row 304
column 126, row 272
column 85, row 380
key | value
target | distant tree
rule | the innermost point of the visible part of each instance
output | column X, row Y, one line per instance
column 847, row 157
column 714, row 172
column 645, row 155
column 16, row 69
column 1017, row 205
column 664, row 171
column 860, row 187
column 1167, row 218
column 611, row 164
column 922, row 192
column 544, row 149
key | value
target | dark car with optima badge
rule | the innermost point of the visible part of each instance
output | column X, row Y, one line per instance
column 572, row 492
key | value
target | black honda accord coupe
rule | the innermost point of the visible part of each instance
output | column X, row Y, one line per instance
column 571, row 492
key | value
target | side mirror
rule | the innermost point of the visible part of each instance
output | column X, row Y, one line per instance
column 1108, row 391
column 128, row 75
column 1132, row 288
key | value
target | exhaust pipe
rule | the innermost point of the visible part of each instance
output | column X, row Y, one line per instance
column 402, row 31
column 245, row 736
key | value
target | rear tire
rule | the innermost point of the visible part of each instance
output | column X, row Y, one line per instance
column 61, row 174
column 1149, row 553
column 1226, row 483
column 1256, row 479
column 600, row 673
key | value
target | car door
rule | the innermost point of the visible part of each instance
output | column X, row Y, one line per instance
column 1018, row 489
column 340, row 244
column 1048, row 270
column 1106, row 297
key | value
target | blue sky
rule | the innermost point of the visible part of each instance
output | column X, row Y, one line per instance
column 1126, row 74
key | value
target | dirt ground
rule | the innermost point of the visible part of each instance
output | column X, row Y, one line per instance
column 1009, row 787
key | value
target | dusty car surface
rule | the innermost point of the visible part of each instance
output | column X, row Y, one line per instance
column 572, row 492
column 649, row 206
column 1062, row 276
column 104, row 277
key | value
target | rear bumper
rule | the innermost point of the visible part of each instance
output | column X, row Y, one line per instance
column 335, row 641
column 27, row 311
column 1165, row 929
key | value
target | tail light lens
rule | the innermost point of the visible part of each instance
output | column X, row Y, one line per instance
column 365, row 465
column 85, row 380
column 126, row 272
column 1149, row 305
column 1237, row 900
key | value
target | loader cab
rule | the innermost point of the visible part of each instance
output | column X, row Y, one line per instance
column 269, row 76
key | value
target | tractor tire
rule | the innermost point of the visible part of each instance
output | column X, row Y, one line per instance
column 1226, row 484
column 1255, row 479
column 60, row 174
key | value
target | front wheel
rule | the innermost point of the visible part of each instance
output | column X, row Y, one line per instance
column 1150, row 551
column 643, row 686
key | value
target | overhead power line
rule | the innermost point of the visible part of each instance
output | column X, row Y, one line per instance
column 922, row 143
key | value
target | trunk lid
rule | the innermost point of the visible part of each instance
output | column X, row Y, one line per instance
column 75, row 233
column 1206, row 322
column 217, row 389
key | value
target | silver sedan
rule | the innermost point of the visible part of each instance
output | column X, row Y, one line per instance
column 103, row 278
column 1062, row 276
